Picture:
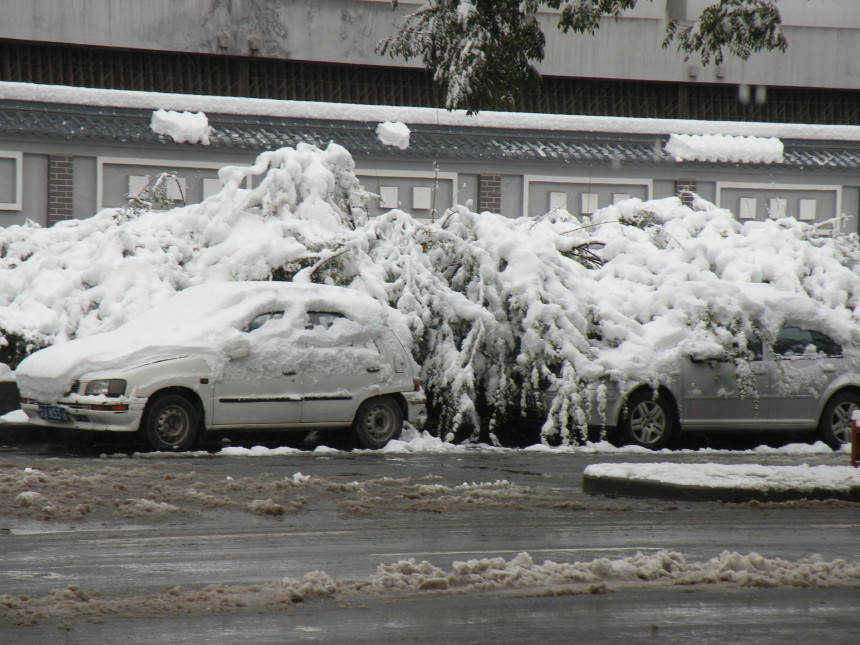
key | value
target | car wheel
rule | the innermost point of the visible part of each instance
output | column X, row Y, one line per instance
column 378, row 421
column 170, row 423
column 648, row 420
column 835, row 425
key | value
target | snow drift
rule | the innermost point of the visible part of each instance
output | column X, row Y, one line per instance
column 498, row 308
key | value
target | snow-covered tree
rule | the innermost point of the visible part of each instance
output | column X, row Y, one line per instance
column 482, row 51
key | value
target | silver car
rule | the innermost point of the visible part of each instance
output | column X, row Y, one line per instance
column 802, row 382
column 254, row 355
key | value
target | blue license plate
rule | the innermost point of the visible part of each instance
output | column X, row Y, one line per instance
column 53, row 413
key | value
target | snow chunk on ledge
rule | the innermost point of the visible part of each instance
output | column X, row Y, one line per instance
column 182, row 127
column 718, row 147
column 740, row 476
column 393, row 133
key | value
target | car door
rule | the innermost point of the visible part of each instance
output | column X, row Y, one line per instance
column 338, row 373
column 805, row 362
column 248, row 395
column 724, row 394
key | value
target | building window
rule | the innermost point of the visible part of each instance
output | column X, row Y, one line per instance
column 388, row 197
column 776, row 208
column 620, row 197
column 748, row 207
column 421, row 198
column 558, row 201
column 807, row 210
column 175, row 186
column 589, row 203
column 211, row 187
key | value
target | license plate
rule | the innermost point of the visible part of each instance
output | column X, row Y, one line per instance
column 53, row 413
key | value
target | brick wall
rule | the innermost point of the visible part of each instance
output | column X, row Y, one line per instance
column 683, row 188
column 59, row 188
column 490, row 193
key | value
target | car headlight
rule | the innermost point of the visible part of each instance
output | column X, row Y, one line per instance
column 106, row 387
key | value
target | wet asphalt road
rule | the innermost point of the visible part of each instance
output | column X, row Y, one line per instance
column 116, row 555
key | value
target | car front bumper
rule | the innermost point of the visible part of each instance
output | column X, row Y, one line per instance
column 76, row 414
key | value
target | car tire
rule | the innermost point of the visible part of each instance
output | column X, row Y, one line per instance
column 378, row 421
column 170, row 423
column 834, row 428
column 647, row 421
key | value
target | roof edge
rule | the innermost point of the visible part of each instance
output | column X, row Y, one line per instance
column 415, row 115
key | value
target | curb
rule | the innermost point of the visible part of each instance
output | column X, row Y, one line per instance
column 626, row 487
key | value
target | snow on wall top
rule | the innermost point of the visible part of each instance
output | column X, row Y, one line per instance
column 723, row 148
column 415, row 115
column 182, row 127
column 393, row 134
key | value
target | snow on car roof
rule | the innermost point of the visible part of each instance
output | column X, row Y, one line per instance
column 204, row 321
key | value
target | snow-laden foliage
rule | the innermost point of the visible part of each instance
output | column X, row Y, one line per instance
column 739, row 26
column 499, row 309
column 482, row 52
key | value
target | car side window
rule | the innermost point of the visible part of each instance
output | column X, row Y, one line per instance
column 754, row 347
column 262, row 319
column 324, row 319
column 825, row 344
column 794, row 341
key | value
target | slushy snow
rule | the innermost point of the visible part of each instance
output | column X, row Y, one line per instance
column 182, row 127
column 639, row 571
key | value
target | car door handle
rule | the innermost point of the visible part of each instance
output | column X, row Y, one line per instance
column 828, row 368
column 289, row 373
column 372, row 369
column 758, row 369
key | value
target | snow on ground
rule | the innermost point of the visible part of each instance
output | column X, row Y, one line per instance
column 182, row 127
column 498, row 308
column 429, row 116
column 393, row 134
column 717, row 147
column 802, row 478
column 412, row 577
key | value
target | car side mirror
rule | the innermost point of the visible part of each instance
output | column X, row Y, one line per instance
column 239, row 350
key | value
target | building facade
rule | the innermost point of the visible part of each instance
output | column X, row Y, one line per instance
column 324, row 50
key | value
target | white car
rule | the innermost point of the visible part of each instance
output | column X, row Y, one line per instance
column 240, row 355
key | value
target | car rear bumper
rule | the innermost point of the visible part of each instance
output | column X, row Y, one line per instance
column 416, row 405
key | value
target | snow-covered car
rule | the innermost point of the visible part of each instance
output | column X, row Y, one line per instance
column 802, row 381
column 241, row 355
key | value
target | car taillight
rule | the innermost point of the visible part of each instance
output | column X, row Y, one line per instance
column 416, row 384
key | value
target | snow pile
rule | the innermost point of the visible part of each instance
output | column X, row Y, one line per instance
column 393, row 134
column 717, row 147
column 499, row 309
column 640, row 571
column 663, row 567
column 802, row 478
column 182, row 127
